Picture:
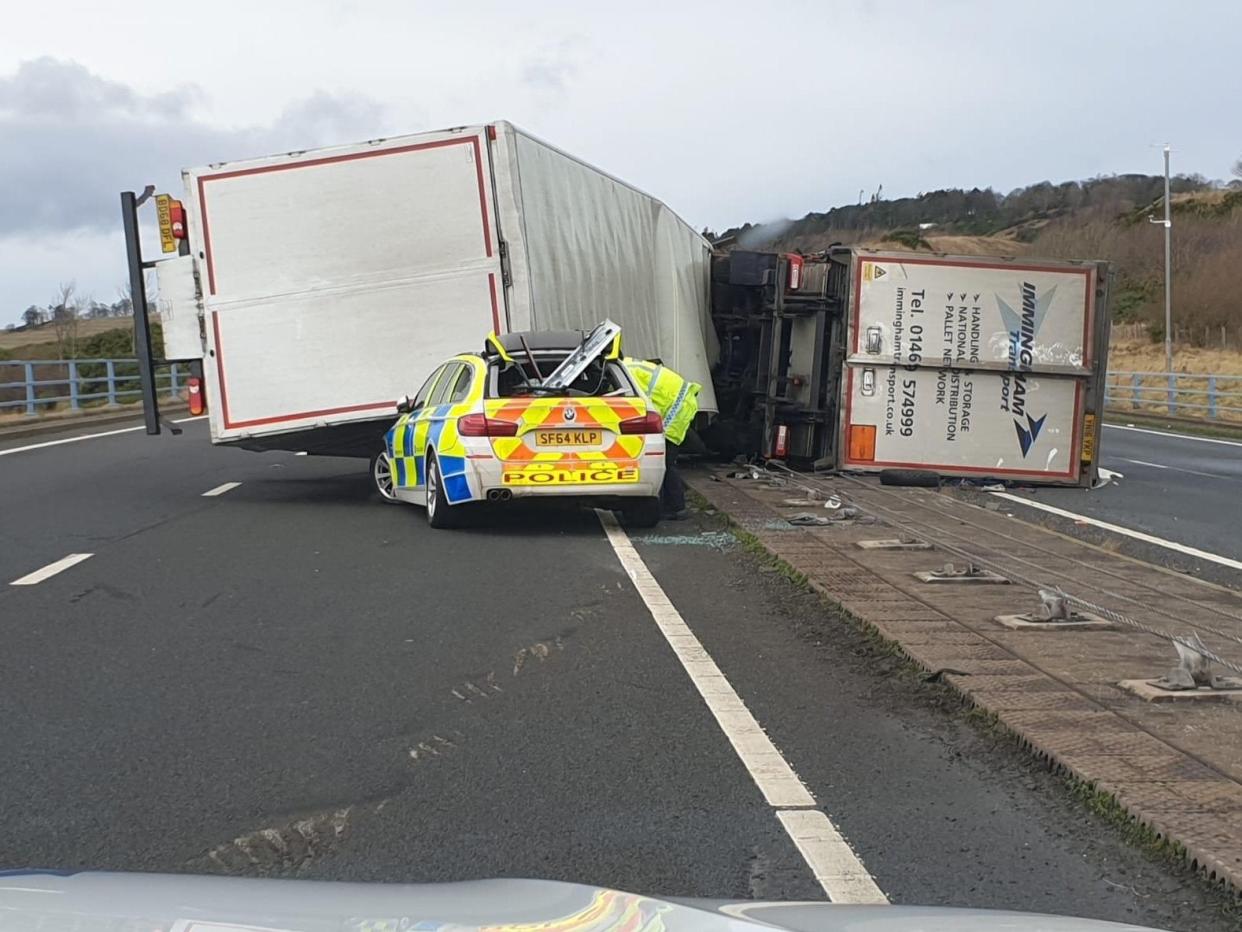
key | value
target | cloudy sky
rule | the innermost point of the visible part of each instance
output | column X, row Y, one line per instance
column 728, row 111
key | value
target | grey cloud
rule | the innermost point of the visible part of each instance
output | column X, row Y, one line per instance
column 51, row 89
column 72, row 140
column 330, row 118
column 553, row 69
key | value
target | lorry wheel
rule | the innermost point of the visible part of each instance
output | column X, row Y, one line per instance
column 917, row 478
column 381, row 475
column 440, row 514
column 642, row 513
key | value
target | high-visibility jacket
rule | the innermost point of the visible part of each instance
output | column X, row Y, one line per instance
column 676, row 399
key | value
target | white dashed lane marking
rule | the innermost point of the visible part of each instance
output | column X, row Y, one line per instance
column 1191, row 472
column 47, row 572
column 833, row 862
column 221, row 489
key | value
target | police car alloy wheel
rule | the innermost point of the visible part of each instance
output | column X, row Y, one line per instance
column 381, row 474
column 433, row 488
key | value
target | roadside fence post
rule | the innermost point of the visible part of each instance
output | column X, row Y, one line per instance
column 1134, row 391
column 73, row 385
column 1211, row 399
column 111, row 373
column 1172, row 393
column 30, row 390
column 172, row 381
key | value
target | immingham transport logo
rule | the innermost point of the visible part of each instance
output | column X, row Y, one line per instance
column 1023, row 326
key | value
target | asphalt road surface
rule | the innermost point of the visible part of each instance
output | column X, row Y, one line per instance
column 1183, row 490
column 292, row 678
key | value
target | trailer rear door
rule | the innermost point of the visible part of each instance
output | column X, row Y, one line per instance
column 972, row 367
column 333, row 281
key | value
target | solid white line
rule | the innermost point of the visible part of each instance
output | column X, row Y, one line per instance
column 51, row 569
column 834, row 863
column 1128, row 532
column 1165, row 433
column 221, row 489
column 102, row 433
column 1144, row 463
column 776, row 779
column 56, row 443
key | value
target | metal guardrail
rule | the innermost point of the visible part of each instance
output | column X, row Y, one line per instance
column 1188, row 394
column 31, row 384
column 40, row 384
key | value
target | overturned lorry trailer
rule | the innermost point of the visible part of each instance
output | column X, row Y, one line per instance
column 868, row 360
column 321, row 286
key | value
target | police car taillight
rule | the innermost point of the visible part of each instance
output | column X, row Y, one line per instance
column 650, row 423
column 479, row 425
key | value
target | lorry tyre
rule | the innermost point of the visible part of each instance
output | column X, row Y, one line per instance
column 642, row 513
column 440, row 514
column 916, row 478
column 382, row 477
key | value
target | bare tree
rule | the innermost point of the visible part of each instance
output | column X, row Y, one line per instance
column 1237, row 169
column 65, row 320
column 124, row 306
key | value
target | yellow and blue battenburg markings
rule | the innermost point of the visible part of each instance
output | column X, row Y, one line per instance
column 435, row 427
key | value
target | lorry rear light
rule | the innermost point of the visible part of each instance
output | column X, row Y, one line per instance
column 781, row 448
column 649, row 423
column 479, row 425
column 194, row 395
column 793, row 281
column 176, row 217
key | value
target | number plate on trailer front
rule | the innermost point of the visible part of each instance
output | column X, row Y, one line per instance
column 568, row 438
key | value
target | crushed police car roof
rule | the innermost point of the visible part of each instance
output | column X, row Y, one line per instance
column 539, row 341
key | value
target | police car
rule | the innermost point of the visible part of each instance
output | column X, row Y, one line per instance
column 541, row 413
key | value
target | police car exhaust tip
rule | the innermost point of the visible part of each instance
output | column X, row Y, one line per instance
column 499, row 495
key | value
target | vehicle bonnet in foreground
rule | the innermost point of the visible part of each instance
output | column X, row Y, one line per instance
column 187, row 903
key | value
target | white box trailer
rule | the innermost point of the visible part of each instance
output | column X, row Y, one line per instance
column 328, row 283
column 869, row 360
column 974, row 366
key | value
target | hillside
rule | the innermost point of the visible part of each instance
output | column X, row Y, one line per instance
column 106, row 338
column 1101, row 218
column 46, row 333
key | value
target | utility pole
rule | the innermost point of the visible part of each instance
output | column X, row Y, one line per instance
column 1168, row 267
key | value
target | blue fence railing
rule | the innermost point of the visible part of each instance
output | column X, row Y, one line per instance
column 36, row 386
column 39, row 385
column 1184, row 394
